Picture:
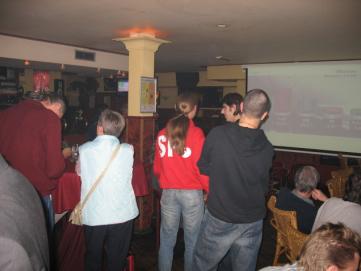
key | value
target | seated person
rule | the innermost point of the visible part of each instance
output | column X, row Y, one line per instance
column 346, row 210
column 23, row 239
column 299, row 199
column 332, row 247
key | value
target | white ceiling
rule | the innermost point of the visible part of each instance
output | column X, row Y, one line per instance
column 259, row 31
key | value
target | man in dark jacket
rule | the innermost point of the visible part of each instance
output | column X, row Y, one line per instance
column 300, row 198
column 237, row 158
column 23, row 241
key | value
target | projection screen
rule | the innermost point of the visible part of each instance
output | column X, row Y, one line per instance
column 315, row 105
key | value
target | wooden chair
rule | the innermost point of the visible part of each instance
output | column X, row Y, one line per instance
column 336, row 185
column 296, row 240
column 281, row 221
column 345, row 172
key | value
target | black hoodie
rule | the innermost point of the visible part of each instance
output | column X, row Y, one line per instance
column 238, row 161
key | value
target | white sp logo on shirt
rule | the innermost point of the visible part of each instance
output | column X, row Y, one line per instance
column 168, row 149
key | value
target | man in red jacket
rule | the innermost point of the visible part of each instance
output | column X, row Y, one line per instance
column 30, row 140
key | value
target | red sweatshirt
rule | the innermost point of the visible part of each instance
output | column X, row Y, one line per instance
column 180, row 172
column 30, row 140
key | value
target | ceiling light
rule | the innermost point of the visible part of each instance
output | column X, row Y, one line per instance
column 222, row 25
column 26, row 62
column 222, row 58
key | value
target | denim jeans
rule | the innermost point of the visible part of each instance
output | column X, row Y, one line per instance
column 176, row 203
column 216, row 238
column 47, row 202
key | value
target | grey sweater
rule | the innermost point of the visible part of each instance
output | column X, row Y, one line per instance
column 336, row 210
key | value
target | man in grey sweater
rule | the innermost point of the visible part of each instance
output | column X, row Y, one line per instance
column 23, row 238
column 346, row 210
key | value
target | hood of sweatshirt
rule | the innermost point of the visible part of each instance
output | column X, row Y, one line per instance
column 245, row 141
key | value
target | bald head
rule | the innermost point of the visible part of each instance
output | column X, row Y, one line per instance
column 256, row 104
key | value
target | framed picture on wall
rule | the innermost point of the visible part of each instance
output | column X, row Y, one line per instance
column 148, row 89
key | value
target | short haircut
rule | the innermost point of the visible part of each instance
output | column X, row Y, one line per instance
column 353, row 187
column 331, row 244
column 53, row 98
column 233, row 98
column 49, row 96
column 112, row 122
column 306, row 178
column 256, row 103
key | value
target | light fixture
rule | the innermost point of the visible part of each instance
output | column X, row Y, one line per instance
column 26, row 62
column 222, row 25
column 222, row 58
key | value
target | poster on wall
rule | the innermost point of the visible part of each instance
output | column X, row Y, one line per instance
column 41, row 81
column 148, row 88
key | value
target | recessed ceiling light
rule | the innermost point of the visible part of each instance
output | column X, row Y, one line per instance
column 222, row 25
column 222, row 58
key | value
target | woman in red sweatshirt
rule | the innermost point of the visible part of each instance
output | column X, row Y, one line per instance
column 178, row 149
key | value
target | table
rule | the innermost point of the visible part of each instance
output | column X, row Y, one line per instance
column 67, row 194
column 70, row 238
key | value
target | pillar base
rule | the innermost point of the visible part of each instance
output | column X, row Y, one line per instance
column 140, row 132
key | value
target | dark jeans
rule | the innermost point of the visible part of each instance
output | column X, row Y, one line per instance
column 47, row 202
column 115, row 239
column 49, row 214
column 217, row 238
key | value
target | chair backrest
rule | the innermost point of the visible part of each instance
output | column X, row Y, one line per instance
column 282, row 217
column 296, row 240
column 281, row 221
column 342, row 172
column 336, row 185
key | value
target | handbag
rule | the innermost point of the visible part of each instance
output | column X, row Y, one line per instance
column 76, row 215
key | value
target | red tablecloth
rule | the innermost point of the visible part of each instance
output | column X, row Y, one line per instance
column 67, row 194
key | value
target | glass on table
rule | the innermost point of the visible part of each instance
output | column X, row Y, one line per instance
column 74, row 152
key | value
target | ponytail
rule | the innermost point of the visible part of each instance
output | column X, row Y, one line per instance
column 177, row 127
column 176, row 132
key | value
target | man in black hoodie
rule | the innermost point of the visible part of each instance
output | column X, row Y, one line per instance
column 237, row 158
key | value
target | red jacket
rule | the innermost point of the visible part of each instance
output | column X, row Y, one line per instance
column 30, row 140
column 180, row 172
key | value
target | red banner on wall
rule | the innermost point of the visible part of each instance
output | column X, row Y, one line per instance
column 41, row 80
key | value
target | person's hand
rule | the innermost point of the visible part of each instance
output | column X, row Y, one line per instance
column 318, row 195
column 205, row 196
column 67, row 152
